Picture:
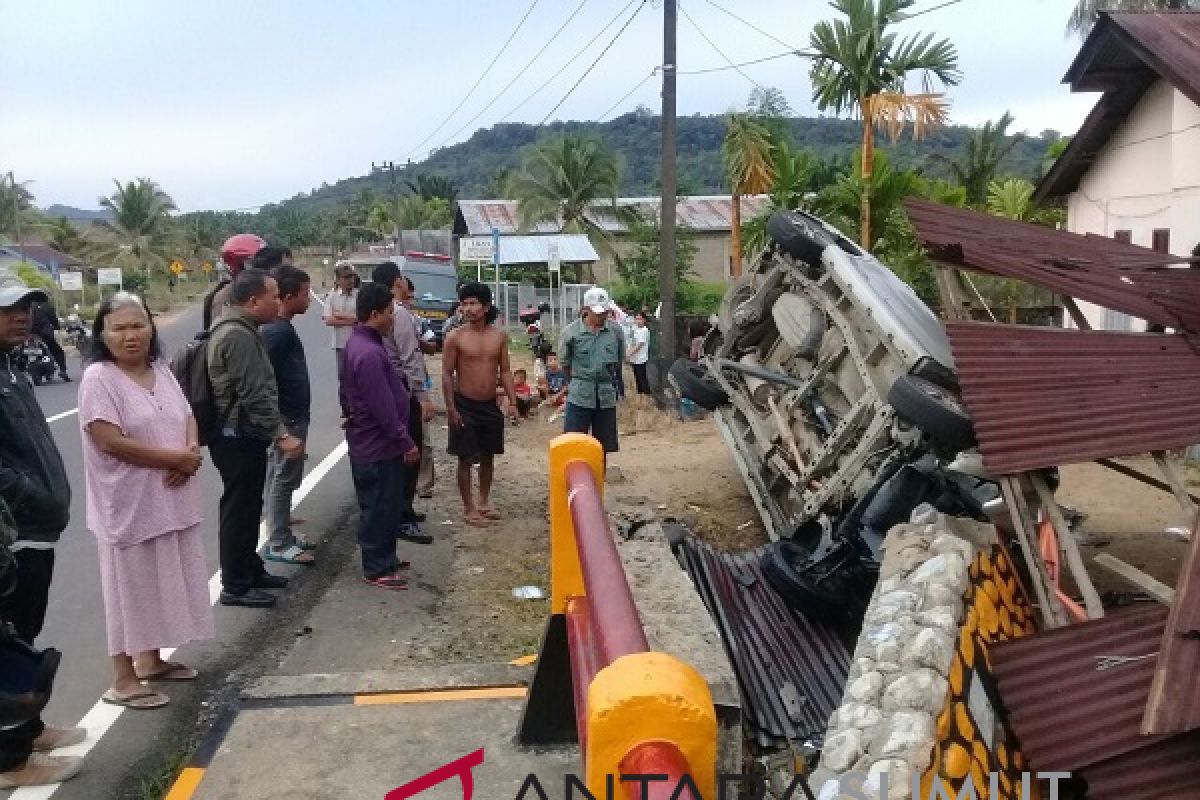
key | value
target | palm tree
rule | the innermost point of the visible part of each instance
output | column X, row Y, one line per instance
column 985, row 149
column 1086, row 12
column 428, row 187
column 64, row 237
column 1013, row 199
column 141, row 233
column 860, row 66
column 562, row 180
column 794, row 171
column 747, row 151
column 16, row 207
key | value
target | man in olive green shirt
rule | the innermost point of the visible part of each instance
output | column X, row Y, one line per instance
column 592, row 350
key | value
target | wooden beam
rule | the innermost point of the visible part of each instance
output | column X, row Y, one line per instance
column 1077, row 315
column 1174, row 704
column 1053, row 614
column 953, row 303
column 1131, row 574
column 1175, row 482
column 1066, row 541
column 1138, row 475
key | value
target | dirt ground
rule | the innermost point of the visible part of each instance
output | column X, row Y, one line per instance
column 666, row 466
column 683, row 469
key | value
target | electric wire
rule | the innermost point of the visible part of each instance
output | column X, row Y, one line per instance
column 516, row 77
column 475, row 85
column 570, row 61
column 592, row 66
column 627, row 95
column 719, row 51
column 707, row 70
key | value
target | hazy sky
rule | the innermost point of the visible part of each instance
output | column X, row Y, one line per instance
column 231, row 104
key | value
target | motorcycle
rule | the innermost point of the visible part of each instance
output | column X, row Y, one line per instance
column 531, row 318
column 34, row 359
column 77, row 332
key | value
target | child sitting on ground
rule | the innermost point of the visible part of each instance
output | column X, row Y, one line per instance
column 523, row 391
column 553, row 386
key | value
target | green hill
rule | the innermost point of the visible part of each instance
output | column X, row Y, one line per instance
column 473, row 164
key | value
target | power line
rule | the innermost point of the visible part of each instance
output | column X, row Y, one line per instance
column 713, row 45
column 571, row 61
column 516, row 77
column 592, row 66
column 751, row 25
column 931, row 10
column 475, row 86
column 627, row 95
column 705, row 71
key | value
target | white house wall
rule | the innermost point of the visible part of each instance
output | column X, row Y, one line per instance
column 1147, row 177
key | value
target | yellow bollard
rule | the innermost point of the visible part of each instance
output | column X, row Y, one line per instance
column 566, row 577
column 646, row 697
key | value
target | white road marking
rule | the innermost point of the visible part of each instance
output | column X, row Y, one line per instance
column 103, row 716
column 63, row 415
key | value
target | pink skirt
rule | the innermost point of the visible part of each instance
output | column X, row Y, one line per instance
column 156, row 593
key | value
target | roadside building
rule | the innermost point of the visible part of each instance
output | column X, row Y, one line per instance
column 709, row 218
column 1131, row 172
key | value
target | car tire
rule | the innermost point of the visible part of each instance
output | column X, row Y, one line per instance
column 739, row 292
column 800, row 238
column 840, row 596
column 933, row 409
column 694, row 383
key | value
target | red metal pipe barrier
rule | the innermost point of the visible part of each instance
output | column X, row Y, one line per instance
column 656, row 758
column 616, row 627
column 584, row 660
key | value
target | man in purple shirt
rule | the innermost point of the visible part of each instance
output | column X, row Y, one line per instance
column 377, row 405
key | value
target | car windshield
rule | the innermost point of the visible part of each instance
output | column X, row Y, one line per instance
column 433, row 285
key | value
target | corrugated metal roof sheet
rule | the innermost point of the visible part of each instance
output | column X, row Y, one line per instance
column 1072, row 717
column 1174, row 704
column 1043, row 397
column 1168, row 41
column 42, row 254
column 706, row 214
column 573, row 248
column 1112, row 274
column 791, row 669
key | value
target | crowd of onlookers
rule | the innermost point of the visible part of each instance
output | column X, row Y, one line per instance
column 241, row 389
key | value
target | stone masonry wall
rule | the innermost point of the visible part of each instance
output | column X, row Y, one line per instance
column 898, row 679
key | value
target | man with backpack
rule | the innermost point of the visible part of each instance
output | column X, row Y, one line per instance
column 246, row 402
column 237, row 253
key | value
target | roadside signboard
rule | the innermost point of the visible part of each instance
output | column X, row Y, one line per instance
column 475, row 248
column 71, row 281
column 109, row 276
column 553, row 259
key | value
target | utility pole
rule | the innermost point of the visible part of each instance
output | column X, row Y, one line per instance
column 390, row 166
column 666, row 266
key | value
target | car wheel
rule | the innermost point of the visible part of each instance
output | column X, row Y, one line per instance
column 739, row 292
column 697, row 385
column 933, row 409
column 841, row 595
column 798, row 237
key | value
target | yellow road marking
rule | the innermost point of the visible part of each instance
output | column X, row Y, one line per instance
column 185, row 784
column 439, row 696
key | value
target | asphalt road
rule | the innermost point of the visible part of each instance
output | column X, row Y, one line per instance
column 144, row 741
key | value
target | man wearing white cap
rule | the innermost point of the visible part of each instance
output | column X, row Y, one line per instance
column 591, row 353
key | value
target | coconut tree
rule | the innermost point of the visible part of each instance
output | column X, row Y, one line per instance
column 17, row 213
column 1086, row 12
column 980, row 160
column 428, row 187
column 860, row 66
column 794, row 172
column 1013, row 199
column 141, row 233
column 63, row 236
column 746, row 151
column 561, row 181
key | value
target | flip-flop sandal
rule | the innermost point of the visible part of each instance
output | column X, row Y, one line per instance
column 173, row 672
column 138, row 701
column 295, row 554
column 476, row 520
column 490, row 513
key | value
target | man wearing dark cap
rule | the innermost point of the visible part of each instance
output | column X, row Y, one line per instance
column 34, row 487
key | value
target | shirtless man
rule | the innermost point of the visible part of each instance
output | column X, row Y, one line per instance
column 473, row 356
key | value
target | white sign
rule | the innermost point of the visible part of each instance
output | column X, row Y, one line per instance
column 71, row 281
column 475, row 248
column 553, row 258
column 109, row 276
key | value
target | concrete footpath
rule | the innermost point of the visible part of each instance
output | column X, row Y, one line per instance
column 329, row 723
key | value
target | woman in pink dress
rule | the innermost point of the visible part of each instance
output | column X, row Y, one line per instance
column 141, row 454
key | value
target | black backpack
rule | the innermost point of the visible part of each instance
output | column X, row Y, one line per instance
column 190, row 366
